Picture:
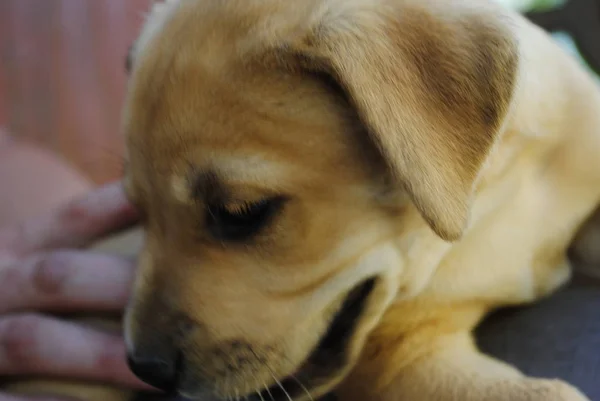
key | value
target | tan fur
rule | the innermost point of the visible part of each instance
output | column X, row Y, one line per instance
column 448, row 149
column 394, row 127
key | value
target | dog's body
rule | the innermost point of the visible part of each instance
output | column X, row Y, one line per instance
column 338, row 191
column 537, row 188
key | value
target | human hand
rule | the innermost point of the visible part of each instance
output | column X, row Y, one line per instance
column 43, row 269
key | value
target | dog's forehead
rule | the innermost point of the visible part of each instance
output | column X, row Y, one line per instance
column 196, row 103
column 183, row 105
column 201, row 112
column 229, row 22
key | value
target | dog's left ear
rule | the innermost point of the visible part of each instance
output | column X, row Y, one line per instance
column 432, row 84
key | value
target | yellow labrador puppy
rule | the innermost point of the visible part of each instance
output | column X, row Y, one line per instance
column 336, row 192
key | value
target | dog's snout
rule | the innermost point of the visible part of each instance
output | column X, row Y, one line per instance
column 159, row 373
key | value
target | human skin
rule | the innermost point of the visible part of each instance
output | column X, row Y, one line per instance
column 47, row 216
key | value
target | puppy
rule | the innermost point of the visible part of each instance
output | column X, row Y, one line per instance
column 336, row 192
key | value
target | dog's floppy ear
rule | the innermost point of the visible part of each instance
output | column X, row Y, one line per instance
column 432, row 88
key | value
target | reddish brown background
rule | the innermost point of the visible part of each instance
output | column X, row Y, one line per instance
column 62, row 76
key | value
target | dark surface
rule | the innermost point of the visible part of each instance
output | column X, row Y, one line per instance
column 579, row 18
column 556, row 338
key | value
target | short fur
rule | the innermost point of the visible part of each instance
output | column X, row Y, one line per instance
column 447, row 150
column 439, row 156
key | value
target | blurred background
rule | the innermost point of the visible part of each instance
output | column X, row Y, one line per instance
column 62, row 75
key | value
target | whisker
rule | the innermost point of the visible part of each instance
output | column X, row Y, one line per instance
column 295, row 378
column 258, row 391
column 310, row 397
column 268, row 391
column 280, row 385
column 264, row 384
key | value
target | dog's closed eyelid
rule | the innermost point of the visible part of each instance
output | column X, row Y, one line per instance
column 242, row 223
column 211, row 188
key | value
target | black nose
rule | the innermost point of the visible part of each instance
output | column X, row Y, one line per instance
column 158, row 373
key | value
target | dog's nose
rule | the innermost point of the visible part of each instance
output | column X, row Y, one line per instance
column 158, row 373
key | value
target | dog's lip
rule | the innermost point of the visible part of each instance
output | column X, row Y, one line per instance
column 313, row 372
column 351, row 310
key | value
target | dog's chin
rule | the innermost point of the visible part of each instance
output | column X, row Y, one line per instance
column 327, row 363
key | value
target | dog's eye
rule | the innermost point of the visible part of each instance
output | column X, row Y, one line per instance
column 241, row 221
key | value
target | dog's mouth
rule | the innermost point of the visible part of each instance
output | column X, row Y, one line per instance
column 329, row 357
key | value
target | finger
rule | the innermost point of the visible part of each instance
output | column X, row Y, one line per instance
column 79, row 223
column 66, row 281
column 38, row 345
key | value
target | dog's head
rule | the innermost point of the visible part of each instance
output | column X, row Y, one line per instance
column 279, row 150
